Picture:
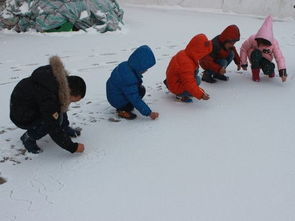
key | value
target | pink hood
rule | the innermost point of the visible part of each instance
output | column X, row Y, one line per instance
column 251, row 44
column 265, row 30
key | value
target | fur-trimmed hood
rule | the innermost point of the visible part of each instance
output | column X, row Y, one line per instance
column 60, row 73
column 53, row 77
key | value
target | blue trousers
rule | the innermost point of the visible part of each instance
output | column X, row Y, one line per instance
column 223, row 62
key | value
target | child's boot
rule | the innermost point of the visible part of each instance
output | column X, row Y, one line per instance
column 30, row 144
column 255, row 74
column 126, row 114
column 208, row 77
column 271, row 75
column 184, row 99
column 221, row 77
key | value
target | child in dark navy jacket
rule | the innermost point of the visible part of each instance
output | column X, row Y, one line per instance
column 40, row 102
column 124, row 87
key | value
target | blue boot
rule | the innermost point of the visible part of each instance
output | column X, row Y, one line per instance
column 184, row 99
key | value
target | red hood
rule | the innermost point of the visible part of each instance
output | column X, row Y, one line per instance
column 198, row 47
column 231, row 33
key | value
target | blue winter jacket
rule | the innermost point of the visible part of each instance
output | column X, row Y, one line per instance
column 123, row 85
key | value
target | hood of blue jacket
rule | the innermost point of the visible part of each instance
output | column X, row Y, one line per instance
column 142, row 59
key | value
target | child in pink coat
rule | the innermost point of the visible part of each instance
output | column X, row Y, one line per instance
column 261, row 48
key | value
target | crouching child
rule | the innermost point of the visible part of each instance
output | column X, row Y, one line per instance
column 223, row 53
column 182, row 77
column 124, row 87
column 261, row 48
column 39, row 105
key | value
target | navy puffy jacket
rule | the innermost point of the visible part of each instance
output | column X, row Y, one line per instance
column 123, row 85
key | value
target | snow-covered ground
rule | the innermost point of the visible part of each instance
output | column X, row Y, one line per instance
column 279, row 8
column 230, row 158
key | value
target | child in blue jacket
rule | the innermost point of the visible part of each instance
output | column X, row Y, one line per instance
column 124, row 87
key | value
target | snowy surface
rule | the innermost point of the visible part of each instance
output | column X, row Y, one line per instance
column 230, row 158
column 278, row 8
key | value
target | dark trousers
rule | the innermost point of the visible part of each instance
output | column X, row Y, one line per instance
column 129, row 107
column 258, row 61
column 40, row 129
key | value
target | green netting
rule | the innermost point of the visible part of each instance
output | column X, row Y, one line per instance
column 57, row 15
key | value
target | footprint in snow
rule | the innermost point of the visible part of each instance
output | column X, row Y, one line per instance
column 112, row 62
column 108, row 54
column 33, row 64
column 172, row 46
column 76, row 106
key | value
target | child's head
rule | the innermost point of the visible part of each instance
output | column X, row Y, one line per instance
column 229, row 44
column 142, row 59
column 198, row 47
column 229, row 36
column 263, row 42
column 77, row 88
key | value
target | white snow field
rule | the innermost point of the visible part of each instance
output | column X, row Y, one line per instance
column 231, row 158
column 279, row 8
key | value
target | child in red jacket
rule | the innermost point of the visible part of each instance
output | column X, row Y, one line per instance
column 222, row 55
column 182, row 73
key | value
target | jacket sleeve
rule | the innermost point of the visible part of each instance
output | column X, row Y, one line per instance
column 279, row 57
column 50, row 115
column 188, row 79
column 246, row 46
column 237, row 58
column 131, row 91
column 208, row 63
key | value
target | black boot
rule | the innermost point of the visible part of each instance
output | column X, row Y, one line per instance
column 30, row 144
column 221, row 77
column 208, row 77
column 165, row 82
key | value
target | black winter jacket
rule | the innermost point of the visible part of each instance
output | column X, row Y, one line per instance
column 43, row 97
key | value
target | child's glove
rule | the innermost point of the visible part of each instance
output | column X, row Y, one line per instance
column 73, row 132
column 244, row 67
column 154, row 115
column 283, row 74
column 222, row 71
column 239, row 67
column 205, row 96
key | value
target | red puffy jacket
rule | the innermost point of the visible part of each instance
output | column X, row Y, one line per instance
column 180, row 74
column 231, row 33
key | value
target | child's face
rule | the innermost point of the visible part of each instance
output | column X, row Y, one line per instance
column 263, row 45
column 229, row 45
column 75, row 98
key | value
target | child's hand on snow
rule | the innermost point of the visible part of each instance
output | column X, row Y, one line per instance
column 284, row 78
column 206, row 96
column 80, row 148
column 222, row 71
column 154, row 115
column 283, row 74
